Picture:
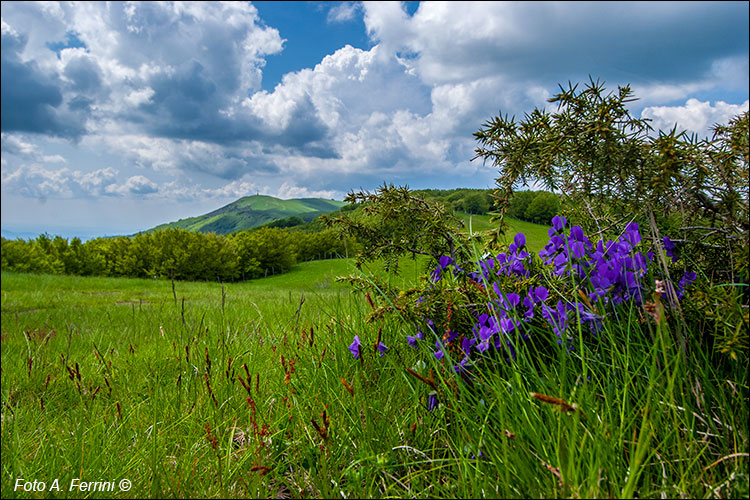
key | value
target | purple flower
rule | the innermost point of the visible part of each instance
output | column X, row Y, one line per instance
column 686, row 281
column 529, row 303
column 354, row 348
column 450, row 336
column 578, row 249
column 558, row 224
column 540, row 294
column 556, row 317
column 576, row 233
column 413, row 340
column 382, row 348
column 632, row 235
column 483, row 345
column 669, row 247
column 461, row 367
column 508, row 324
column 518, row 242
column 435, row 275
column 443, row 262
column 432, row 401
column 466, row 344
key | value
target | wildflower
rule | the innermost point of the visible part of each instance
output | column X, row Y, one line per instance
column 355, row 347
column 518, row 242
column 413, row 340
column 558, row 224
column 686, row 280
column 669, row 248
column 443, row 263
column 508, row 324
column 556, row 317
column 382, row 348
column 466, row 345
column 540, row 294
column 432, row 401
column 461, row 367
column 632, row 235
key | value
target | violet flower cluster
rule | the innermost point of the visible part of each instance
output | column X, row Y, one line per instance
column 604, row 275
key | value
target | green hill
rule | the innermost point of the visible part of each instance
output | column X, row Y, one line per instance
column 253, row 211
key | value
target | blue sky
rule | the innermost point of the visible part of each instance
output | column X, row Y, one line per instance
column 118, row 117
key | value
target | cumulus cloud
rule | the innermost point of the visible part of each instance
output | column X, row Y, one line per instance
column 32, row 99
column 16, row 145
column 35, row 181
column 137, row 185
column 179, row 156
column 694, row 116
column 452, row 41
column 21, row 150
column 167, row 68
column 289, row 191
column 173, row 89
column 190, row 192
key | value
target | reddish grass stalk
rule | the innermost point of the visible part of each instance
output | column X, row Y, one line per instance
column 563, row 405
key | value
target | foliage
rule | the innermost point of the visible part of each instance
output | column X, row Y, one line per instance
column 494, row 301
column 394, row 223
column 608, row 165
column 538, row 207
column 175, row 253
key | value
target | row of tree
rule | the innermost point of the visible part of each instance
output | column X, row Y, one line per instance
column 534, row 206
column 177, row 253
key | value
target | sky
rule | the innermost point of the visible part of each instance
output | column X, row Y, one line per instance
column 117, row 117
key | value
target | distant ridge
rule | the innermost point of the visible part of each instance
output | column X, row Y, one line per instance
column 253, row 211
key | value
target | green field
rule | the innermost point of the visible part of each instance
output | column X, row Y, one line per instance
column 536, row 234
column 109, row 379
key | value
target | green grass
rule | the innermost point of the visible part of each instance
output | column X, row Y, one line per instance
column 536, row 234
column 106, row 379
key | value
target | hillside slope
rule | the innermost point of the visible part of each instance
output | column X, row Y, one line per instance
column 252, row 211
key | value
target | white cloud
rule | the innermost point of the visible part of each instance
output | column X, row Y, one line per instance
column 342, row 12
column 136, row 185
column 695, row 116
column 15, row 144
column 289, row 191
column 173, row 89
column 35, row 181
column 182, row 59
column 140, row 96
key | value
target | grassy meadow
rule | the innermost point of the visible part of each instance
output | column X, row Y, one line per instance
column 249, row 390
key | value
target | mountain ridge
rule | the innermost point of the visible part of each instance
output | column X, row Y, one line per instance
column 252, row 211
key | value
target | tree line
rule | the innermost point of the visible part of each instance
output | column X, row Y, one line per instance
column 177, row 253
column 532, row 206
column 266, row 250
